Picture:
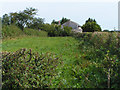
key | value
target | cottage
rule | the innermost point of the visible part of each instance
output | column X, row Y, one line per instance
column 75, row 27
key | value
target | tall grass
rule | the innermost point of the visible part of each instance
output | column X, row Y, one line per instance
column 32, row 32
column 12, row 31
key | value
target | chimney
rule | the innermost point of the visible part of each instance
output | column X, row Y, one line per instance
column 59, row 22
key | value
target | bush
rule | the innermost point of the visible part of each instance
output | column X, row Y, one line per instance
column 11, row 31
column 56, row 30
column 95, row 47
column 26, row 69
column 32, row 32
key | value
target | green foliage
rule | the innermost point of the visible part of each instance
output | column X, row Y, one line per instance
column 21, row 19
column 12, row 31
column 26, row 69
column 91, row 26
column 56, row 30
column 32, row 32
column 6, row 19
column 105, row 30
column 102, row 49
column 25, row 17
column 37, row 23
column 62, row 21
column 90, row 60
column 54, row 22
column 111, row 66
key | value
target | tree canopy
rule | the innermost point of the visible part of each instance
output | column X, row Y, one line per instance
column 21, row 19
column 62, row 21
column 91, row 26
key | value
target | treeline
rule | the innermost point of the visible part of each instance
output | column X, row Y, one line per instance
column 26, row 19
column 23, row 19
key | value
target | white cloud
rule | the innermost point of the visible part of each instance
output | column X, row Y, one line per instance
column 59, row 0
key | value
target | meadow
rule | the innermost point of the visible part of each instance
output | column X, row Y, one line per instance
column 63, row 46
column 84, row 60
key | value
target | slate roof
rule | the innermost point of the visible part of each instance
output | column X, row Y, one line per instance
column 75, row 27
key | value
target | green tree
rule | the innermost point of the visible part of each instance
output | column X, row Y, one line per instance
column 21, row 19
column 62, row 21
column 91, row 26
column 105, row 30
column 36, row 23
column 6, row 19
column 54, row 22
column 25, row 17
column 13, row 18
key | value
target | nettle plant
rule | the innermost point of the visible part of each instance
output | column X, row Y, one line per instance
column 27, row 69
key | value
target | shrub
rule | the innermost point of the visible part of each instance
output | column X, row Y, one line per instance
column 32, row 32
column 11, row 31
column 26, row 69
column 95, row 46
column 56, row 30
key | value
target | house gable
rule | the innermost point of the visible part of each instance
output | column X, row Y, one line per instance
column 75, row 27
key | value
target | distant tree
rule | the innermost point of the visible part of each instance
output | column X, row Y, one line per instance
column 21, row 19
column 105, row 30
column 54, row 22
column 6, row 19
column 13, row 18
column 91, row 26
column 36, row 23
column 56, row 30
column 25, row 17
column 62, row 21
column 90, row 20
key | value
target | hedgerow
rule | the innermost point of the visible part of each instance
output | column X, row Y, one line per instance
column 26, row 69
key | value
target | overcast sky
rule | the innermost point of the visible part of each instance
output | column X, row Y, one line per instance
column 105, row 12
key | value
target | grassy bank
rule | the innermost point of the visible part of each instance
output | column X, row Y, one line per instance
column 13, row 31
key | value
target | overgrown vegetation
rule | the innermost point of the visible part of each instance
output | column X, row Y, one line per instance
column 13, row 31
column 26, row 69
column 56, row 30
column 92, row 61
column 102, row 50
column 32, row 32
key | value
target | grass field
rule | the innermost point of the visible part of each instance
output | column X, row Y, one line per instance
column 64, row 46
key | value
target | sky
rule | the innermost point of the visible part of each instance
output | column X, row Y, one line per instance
column 105, row 12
